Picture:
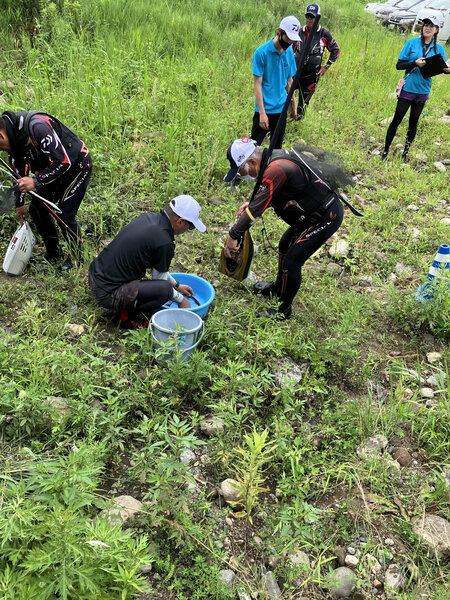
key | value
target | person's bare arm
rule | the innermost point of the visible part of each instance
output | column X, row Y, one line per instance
column 263, row 118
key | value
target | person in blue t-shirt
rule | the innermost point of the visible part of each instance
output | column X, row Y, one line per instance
column 273, row 70
column 416, row 89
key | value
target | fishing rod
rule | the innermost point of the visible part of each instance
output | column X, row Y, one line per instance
column 50, row 206
column 283, row 116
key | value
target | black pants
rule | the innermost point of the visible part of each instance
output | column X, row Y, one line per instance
column 67, row 192
column 258, row 133
column 306, row 88
column 138, row 296
column 400, row 112
column 297, row 245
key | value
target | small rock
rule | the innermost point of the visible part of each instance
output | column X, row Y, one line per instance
column 75, row 329
column 146, row 569
column 402, row 270
column 333, row 267
column 340, row 555
column 257, row 541
column 227, row 576
column 351, row 550
column 402, row 456
column 389, row 541
column 229, row 490
column 394, row 578
column 435, row 531
column 432, row 381
column 351, row 561
column 408, row 394
column 372, row 139
column 412, row 207
column 374, row 446
column 374, row 564
column 431, row 403
column 439, row 166
column 273, row 561
column 421, row 158
column 433, row 357
column 187, row 456
column 287, row 371
column 377, row 584
column 316, row 442
column 270, row 585
column 366, row 281
column 60, row 405
column 427, row 393
column 229, row 522
column 392, row 277
column 212, row 426
column 341, row 582
column 375, row 152
column 445, row 221
column 387, row 121
column 127, row 507
column 299, row 558
column 339, row 249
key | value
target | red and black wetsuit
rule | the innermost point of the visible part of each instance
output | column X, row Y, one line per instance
column 310, row 73
column 62, row 167
column 306, row 204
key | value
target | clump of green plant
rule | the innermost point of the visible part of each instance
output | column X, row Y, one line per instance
column 432, row 313
column 51, row 547
column 250, row 466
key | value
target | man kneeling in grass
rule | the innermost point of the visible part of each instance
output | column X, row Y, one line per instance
column 116, row 276
column 308, row 205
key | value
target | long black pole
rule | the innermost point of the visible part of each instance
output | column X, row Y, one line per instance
column 44, row 203
column 283, row 116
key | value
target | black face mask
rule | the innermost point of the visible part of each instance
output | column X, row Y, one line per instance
column 283, row 44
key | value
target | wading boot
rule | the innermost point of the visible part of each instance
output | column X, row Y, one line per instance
column 266, row 288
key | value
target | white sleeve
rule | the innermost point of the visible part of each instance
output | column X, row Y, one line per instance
column 176, row 296
column 163, row 275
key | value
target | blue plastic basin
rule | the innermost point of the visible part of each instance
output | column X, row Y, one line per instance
column 203, row 292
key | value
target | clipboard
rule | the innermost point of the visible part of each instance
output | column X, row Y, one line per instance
column 434, row 65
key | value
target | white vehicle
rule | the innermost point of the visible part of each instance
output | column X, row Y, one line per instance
column 404, row 18
column 383, row 14
column 374, row 6
column 440, row 8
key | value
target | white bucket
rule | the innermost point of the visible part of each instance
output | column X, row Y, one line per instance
column 19, row 250
column 182, row 328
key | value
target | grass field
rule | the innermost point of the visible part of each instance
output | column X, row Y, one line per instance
column 158, row 91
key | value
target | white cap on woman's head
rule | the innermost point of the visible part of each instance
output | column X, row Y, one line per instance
column 433, row 19
column 291, row 25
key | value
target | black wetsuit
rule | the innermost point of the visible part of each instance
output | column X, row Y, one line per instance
column 306, row 204
column 62, row 167
column 313, row 61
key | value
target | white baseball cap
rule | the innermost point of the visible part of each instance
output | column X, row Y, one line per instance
column 433, row 19
column 188, row 209
column 237, row 154
column 291, row 25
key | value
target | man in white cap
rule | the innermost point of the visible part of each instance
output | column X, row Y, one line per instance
column 116, row 276
column 300, row 198
column 273, row 70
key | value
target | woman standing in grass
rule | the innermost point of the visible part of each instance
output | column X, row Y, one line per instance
column 416, row 89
